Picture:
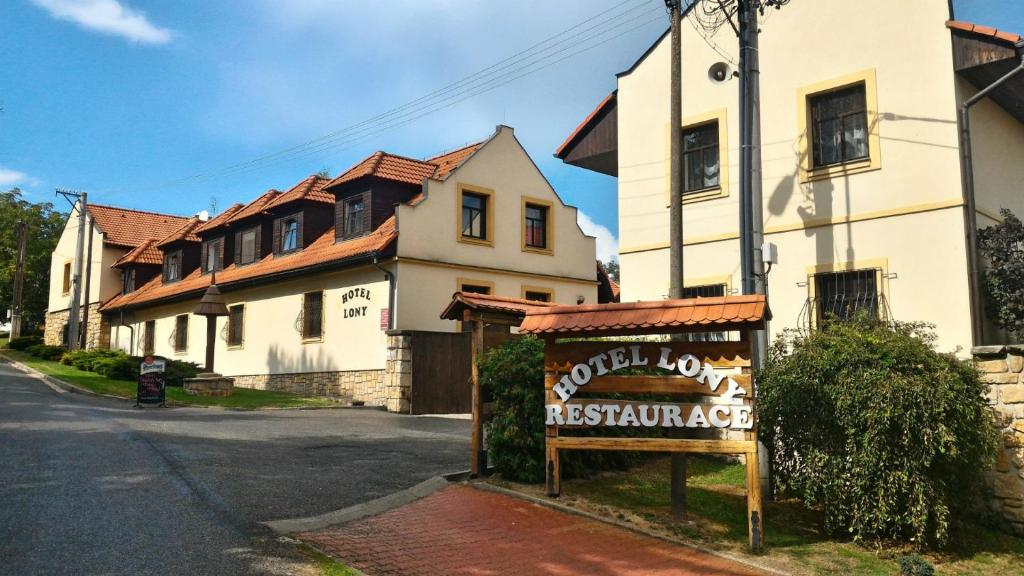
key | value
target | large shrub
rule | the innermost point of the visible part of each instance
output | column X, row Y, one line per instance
column 512, row 375
column 1002, row 246
column 868, row 422
column 24, row 342
column 117, row 365
column 87, row 359
column 46, row 352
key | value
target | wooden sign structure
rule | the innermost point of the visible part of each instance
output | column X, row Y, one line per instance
column 476, row 311
column 579, row 371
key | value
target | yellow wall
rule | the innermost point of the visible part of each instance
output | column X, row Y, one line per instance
column 905, row 209
column 272, row 342
column 105, row 282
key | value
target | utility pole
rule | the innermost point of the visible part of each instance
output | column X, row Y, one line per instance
column 19, row 281
column 751, row 204
column 677, row 476
column 88, row 278
column 81, row 205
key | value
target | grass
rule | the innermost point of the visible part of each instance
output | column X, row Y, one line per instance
column 794, row 539
column 240, row 398
column 328, row 566
column 3, row 340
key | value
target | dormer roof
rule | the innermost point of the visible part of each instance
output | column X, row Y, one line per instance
column 310, row 189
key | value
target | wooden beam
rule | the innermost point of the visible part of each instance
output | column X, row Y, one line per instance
column 478, row 464
column 654, row 445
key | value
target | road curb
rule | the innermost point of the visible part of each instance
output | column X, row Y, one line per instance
column 547, row 503
column 371, row 508
column 58, row 383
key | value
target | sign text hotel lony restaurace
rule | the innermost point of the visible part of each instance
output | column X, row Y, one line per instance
column 736, row 416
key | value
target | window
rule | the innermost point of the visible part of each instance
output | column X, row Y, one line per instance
column 248, row 245
column 149, row 337
column 129, row 281
column 172, row 266
column 355, row 216
column 181, row 333
column 312, row 315
column 705, row 291
column 842, row 295
column 66, row 285
column 701, row 168
column 537, row 296
column 474, row 216
column 289, row 235
column 536, row 225
column 64, row 331
column 236, row 324
column 839, row 125
column 213, row 255
column 475, row 288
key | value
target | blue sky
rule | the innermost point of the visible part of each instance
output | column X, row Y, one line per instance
column 126, row 98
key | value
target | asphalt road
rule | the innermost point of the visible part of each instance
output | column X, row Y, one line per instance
column 94, row 486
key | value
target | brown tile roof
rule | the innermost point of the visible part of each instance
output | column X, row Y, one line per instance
column 219, row 219
column 462, row 301
column 408, row 170
column 608, row 100
column 255, row 207
column 311, row 188
column 986, row 31
column 657, row 317
column 145, row 253
column 128, row 228
column 186, row 233
column 449, row 161
column 323, row 250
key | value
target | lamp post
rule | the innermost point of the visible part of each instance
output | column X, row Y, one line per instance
column 211, row 305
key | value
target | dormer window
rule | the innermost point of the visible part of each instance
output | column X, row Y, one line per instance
column 172, row 266
column 288, row 234
column 129, row 281
column 247, row 244
column 213, row 255
column 355, row 216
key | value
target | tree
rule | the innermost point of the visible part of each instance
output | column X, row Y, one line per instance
column 44, row 229
column 612, row 268
column 1002, row 246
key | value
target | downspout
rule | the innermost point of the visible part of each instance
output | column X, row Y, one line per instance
column 970, row 210
column 392, row 288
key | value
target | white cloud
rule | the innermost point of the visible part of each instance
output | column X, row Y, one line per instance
column 109, row 17
column 10, row 177
column 607, row 243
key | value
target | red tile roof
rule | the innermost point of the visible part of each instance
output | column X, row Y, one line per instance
column 658, row 317
column 184, row 233
column 323, row 250
column 145, row 253
column 408, row 170
column 127, row 228
column 986, row 31
column 608, row 101
column 219, row 219
column 255, row 207
column 312, row 189
column 462, row 301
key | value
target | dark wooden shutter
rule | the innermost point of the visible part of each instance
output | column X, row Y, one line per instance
column 220, row 253
column 238, row 248
column 366, row 212
column 203, row 257
column 258, row 251
column 339, row 219
column 300, row 239
column 277, row 236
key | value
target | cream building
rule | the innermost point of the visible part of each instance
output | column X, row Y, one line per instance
column 327, row 283
column 861, row 160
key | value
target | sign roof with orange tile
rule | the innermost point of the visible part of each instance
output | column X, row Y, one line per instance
column 462, row 301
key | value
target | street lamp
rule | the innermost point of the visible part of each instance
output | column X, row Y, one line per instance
column 211, row 305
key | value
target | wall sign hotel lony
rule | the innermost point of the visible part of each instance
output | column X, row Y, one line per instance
column 578, row 371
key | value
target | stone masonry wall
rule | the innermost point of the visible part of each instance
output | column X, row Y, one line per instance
column 398, row 372
column 1003, row 369
column 366, row 386
column 97, row 333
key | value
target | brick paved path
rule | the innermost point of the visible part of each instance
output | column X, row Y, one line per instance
column 464, row 531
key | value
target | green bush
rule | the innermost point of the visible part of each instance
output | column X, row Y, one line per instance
column 87, row 359
column 123, row 367
column 513, row 377
column 24, row 342
column 117, row 365
column 177, row 371
column 1002, row 246
column 45, row 352
column 914, row 565
column 868, row 422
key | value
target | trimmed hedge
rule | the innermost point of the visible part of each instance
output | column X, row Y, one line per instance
column 46, row 352
column 24, row 342
column 867, row 422
column 117, row 365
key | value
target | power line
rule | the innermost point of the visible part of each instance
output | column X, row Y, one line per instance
column 528, row 61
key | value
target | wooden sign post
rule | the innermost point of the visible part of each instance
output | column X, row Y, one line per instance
column 579, row 372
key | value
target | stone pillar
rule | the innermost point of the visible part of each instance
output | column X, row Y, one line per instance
column 1002, row 368
column 209, row 384
column 398, row 371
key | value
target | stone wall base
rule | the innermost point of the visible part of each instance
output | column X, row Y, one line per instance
column 1002, row 368
column 366, row 386
column 97, row 333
